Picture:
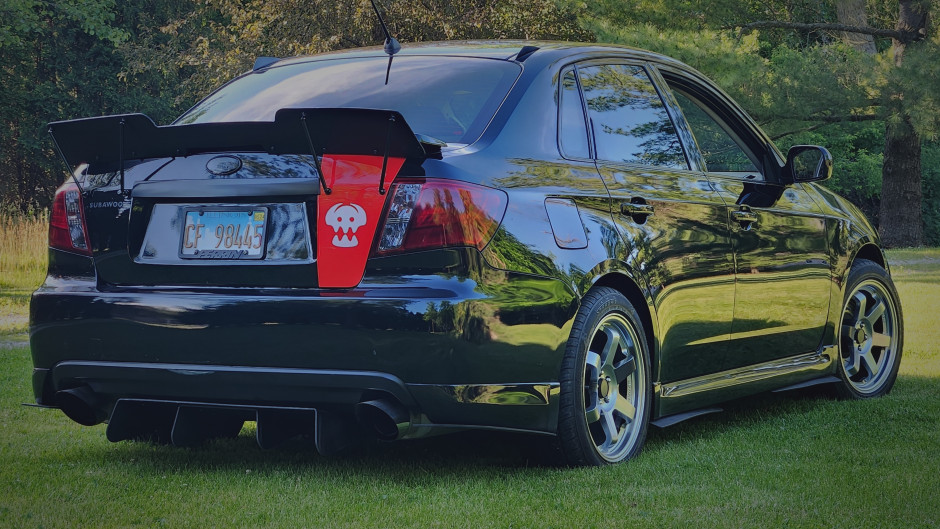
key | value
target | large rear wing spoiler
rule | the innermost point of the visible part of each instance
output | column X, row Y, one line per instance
column 109, row 141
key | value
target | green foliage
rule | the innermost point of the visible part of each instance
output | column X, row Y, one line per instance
column 918, row 79
column 60, row 61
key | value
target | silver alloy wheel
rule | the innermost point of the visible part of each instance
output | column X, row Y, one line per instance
column 614, row 387
column 869, row 337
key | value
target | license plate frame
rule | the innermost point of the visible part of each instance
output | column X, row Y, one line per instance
column 191, row 247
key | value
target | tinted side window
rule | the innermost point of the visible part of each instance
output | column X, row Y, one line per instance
column 630, row 122
column 719, row 149
column 572, row 130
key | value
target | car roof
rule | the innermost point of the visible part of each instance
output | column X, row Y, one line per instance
column 490, row 49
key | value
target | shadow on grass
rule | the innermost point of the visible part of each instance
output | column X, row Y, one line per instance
column 470, row 452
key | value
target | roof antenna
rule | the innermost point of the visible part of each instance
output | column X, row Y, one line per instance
column 392, row 46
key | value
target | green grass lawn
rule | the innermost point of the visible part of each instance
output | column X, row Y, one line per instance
column 791, row 460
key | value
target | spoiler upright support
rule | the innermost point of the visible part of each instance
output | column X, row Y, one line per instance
column 68, row 167
column 313, row 151
column 388, row 138
column 121, row 125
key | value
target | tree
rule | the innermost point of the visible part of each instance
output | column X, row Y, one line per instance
column 60, row 60
column 901, row 224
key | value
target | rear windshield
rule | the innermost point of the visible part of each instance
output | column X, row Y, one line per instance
column 448, row 98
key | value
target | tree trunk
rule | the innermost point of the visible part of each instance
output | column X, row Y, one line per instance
column 901, row 220
column 854, row 13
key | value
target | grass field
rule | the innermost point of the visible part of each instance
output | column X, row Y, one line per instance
column 791, row 460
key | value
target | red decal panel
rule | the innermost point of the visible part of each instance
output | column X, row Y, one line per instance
column 347, row 218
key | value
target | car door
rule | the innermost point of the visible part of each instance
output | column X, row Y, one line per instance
column 672, row 222
column 778, row 233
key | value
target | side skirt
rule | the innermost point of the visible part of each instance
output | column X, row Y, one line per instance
column 694, row 393
column 669, row 420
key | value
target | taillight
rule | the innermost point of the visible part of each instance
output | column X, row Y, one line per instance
column 425, row 214
column 67, row 229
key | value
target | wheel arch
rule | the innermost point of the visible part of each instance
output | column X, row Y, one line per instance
column 872, row 252
column 867, row 249
column 637, row 297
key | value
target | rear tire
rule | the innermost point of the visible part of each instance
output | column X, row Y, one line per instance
column 606, row 388
column 871, row 333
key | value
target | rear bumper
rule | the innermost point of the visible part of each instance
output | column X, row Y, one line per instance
column 456, row 352
column 526, row 406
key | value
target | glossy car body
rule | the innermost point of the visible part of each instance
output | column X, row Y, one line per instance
column 737, row 272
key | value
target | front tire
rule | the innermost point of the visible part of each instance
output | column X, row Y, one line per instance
column 871, row 335
column 606, row 389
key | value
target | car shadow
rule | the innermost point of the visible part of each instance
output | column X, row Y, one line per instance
column 461, row 453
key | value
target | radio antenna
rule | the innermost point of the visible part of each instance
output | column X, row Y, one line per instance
column 392, row 46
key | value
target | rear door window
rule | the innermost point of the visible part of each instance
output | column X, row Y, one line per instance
column 630, row 122
column 572, row 129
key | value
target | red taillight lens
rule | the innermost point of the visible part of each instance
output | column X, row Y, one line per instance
column 67, row 226
column 426, row 214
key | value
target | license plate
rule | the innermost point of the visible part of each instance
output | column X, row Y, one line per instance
column 223, row 233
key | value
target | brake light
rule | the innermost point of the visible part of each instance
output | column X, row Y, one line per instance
column 67, row 229
column 425, row 214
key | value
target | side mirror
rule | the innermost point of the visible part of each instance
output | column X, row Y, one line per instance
column 808, row 163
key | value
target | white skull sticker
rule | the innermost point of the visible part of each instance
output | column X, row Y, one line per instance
column 345, row 219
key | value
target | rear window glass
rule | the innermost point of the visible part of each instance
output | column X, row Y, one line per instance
column 448, row 98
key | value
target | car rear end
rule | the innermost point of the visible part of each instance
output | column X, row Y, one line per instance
column 295, row 260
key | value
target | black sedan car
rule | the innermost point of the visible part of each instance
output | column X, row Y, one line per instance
column 571, row 240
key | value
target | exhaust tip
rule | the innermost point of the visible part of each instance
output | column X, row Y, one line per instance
column 81, row 405
column 387, row 419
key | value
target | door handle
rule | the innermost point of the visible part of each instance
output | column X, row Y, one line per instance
column 637, row 208
column 745, row 217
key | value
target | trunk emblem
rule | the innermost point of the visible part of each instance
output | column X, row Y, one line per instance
column 345, row 219
column 223, row 165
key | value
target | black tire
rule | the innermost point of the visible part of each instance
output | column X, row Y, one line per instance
column 871, row 333
column 606, row 388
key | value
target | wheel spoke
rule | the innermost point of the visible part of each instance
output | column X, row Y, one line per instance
column 876, row 311
column 625, row 368
column 611, row 431
column 593, row 415
column 880, row 340
column 593, row 362
column 613, row 343
column 871, row 365
column 862, row 305
column 852, row 363
column 625, row 409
